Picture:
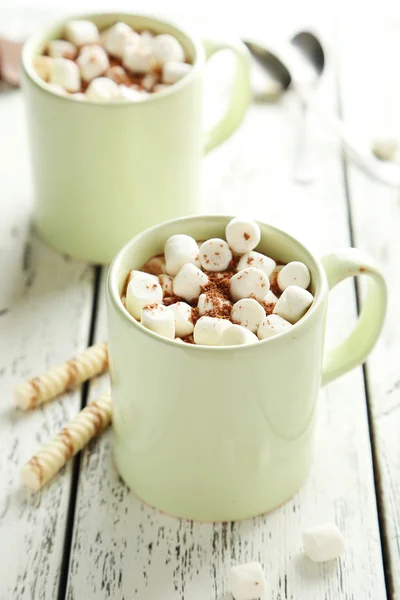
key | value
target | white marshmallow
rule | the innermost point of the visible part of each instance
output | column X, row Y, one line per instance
column 208, row 330
column 272, row 325
column 138, row 59
column 249, row 282
column 178, row 250
column 236, row 335
column 146, row 39
column 183, row 318
column 57, row 89
column 215, row 255
column 294, row 273
column 188, row 282
column 61, row 49
column 92, row 62
column 103, row 88
column 134, row 274
column 81, row 32
column 293, row 303
column 247, row 582
column 209, row 302
column 160, row 87
column 159, row 320
column 167, row 48
column 43, row 66
column 270, row 298
column 178, row 339
column 149, row 81
column 322, row 543
column 79, row 96
column 117, row 74
column 142, row 291
column 155, row 265
column 118, row 37
column 242, row 235
column 257, row 260
column 129, row 93
column 166, row 283
column 248, row 313
column 65, row 73
column 174, row 71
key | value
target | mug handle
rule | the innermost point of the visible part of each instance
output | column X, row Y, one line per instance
column 352, row 351
column 240, row 96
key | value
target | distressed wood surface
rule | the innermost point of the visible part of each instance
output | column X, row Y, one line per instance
column 123, row 549
column 376, row 224
column 45, row 313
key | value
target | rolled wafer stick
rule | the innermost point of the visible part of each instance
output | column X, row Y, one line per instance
column 45, row 387
column 71, row 439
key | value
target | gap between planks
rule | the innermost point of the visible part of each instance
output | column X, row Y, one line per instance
column 69, row 528
column 389, row 584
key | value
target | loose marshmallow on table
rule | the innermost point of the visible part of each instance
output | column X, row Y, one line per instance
column 215, row 255
column 236, row 335
column 118, row 37
column 293, row 303
column 210, row 302
column 43, row 66
column 294, row 273
column 272, row 325
column 166, row 282
column 248, row 313
column 137, row 59
column 242, row 235
column 92, row 62
column 182, row 314
column 249, row 282
column 65, row 73
column 61, row 49
column 142, row 291
column 159, row 319
column 81, row 32
column 174, row 71
column 247, row 582
column 103, row 88
column 180, row 249
column 270, row 298
column 166, row 48
column 324, row 542
column 257, row 260
column 188, row 282
column 208, row 330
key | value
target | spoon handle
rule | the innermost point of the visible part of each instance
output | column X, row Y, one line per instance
column 304, row 166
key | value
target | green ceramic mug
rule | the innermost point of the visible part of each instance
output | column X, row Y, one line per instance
column 226, row 433
column 103, row 171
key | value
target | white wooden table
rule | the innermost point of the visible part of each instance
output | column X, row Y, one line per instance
column 86, row 536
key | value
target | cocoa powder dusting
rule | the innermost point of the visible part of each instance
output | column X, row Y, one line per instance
column 267, row 306
column 246, row 236
column 195, row 315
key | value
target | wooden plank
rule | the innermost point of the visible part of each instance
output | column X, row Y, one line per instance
column 45, row 313
column 376, row 221
column 123, row 549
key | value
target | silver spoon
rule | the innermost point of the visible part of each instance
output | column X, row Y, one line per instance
column 309, row 62
column 387, row 173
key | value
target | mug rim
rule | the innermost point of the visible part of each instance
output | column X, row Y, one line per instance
column 321, row 289
column 35, row 39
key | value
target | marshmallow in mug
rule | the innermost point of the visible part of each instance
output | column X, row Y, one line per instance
column 221, row 307
column 92, row 62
